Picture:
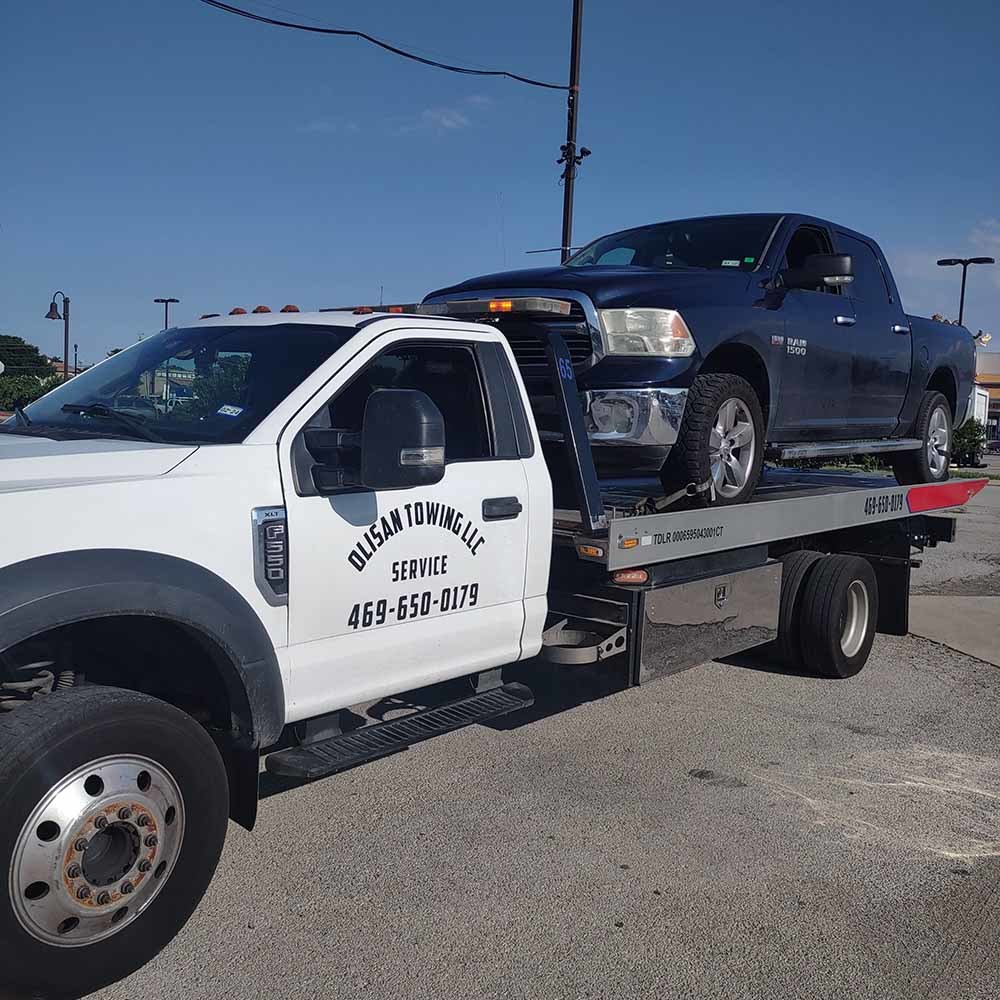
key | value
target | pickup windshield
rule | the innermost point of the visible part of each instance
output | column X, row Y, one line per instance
column 208, row 385
column 723, row 241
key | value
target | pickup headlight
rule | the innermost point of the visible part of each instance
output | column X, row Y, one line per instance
column 662, row 332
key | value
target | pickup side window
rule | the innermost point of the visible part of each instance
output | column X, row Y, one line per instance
column 448, row 373
column 869, row 282
column 808, row 240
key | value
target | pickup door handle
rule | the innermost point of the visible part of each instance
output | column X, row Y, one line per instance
column 844, row 320
column 899, row 328
column 501, row 508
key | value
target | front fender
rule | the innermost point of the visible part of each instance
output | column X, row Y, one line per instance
column 67, row 587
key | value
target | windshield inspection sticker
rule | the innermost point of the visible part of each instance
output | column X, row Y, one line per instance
column 230, row 411
column 730, row 263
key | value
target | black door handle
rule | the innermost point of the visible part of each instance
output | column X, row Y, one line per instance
column 501, row 508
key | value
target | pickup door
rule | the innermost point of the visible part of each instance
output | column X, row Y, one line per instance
column 880, row 341
column 394, row 589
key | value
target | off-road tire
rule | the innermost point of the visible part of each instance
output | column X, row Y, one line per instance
column 825, row 611
column 912, row 467
column 688, row 461
column 49, row 738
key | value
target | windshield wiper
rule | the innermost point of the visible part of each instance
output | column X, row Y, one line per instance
column 133, row 424
column 23, row 420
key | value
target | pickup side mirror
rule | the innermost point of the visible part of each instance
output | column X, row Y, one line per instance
column 820, row 269
column 402, row 440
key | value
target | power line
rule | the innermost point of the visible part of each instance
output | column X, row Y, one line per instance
column 382, row 45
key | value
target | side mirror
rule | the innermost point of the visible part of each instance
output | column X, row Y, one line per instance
column 820, row 269
column 402, row 440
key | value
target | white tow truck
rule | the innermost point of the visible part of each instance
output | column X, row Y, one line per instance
column 349, row 505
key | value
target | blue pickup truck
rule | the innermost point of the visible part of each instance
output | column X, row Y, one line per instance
column 704, row 345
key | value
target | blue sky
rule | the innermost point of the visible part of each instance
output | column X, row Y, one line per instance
column 160, row 147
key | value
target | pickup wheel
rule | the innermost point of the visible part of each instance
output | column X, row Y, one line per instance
column 721, row 438
column 929, row 464
column 114, row 808
column 839, row 612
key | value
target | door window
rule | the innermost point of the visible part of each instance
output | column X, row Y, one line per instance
column 448, row 373
column 869, row 284
column 806, row 241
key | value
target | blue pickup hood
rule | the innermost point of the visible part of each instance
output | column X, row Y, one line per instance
column 610, row 287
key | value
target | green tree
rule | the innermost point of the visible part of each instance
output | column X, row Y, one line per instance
column 19, row 390
column 968, row 444
column 21, row 358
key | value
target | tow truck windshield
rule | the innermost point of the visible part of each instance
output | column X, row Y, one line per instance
column 209, row 385
column 724, row 241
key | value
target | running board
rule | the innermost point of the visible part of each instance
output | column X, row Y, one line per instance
column 833, row 449
column 371, row 742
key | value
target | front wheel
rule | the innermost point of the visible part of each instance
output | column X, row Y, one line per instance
column 114, row 809
column 930, row 462
column 721, row 438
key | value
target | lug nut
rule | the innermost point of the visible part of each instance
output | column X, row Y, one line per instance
column 145, row 865
column 125, row 813
column 74, row 871
column 104, row 898
column 81, row 844
column 143, row 820
column 101, row 822
column 83, row 892
column 152, row 840
column 127, row 887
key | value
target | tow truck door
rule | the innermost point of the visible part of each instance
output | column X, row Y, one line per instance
column 395, row 589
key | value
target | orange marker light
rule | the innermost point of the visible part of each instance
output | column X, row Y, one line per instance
column 237, row 312
column 395, row 309
column 501, row 306
column 261, row 309
column 289, row 309
column 630, row 577
column 627, row 543
column 594, row 551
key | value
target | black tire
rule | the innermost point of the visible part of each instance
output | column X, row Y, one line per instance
column 830, row 604
column 795, row 569
column 689, row 458
column 43, row 742
column 912, row 467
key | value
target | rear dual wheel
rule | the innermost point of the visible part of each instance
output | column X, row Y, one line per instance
column 114, row 808
column 828, row 613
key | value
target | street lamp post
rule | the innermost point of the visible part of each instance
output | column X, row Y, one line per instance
column 76, row 359
column 53, row 313
column 166, row 303
column 965, row 262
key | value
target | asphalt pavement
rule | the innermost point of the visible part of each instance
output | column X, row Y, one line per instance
column 731, row 831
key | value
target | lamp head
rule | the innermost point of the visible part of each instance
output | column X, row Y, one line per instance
column 53, row 312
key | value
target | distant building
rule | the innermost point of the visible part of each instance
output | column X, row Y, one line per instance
column 988, row 378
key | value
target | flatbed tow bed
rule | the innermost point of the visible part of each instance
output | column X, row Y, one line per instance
column 657, row 588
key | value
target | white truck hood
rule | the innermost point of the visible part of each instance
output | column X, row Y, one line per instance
column 34, row 462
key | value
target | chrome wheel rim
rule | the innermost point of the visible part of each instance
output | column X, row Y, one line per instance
column 855, row 624
column 96, row 850
column 732, row 447
column 938, row 442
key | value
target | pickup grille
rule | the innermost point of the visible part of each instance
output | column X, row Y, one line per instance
column 528, row 349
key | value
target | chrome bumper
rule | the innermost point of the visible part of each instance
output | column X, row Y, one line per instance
column 634, row 417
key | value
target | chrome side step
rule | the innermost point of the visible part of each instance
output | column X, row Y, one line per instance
column 831, row 449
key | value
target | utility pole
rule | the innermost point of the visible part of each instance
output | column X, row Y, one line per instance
column 570, row 156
